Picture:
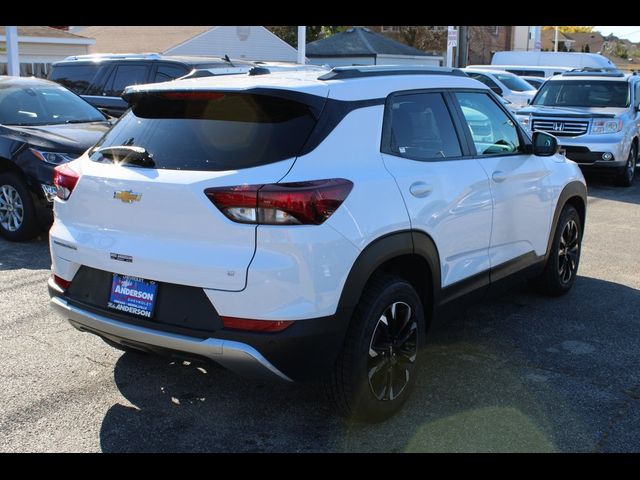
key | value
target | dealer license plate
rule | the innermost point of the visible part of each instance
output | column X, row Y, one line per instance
column 133, row 295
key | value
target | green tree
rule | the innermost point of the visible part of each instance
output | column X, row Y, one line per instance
column 575, row 29
column 289, row 33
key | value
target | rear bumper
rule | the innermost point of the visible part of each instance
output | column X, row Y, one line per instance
column 304, row 351
column 235, row 356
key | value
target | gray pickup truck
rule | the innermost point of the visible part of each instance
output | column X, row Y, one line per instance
column 595, row 114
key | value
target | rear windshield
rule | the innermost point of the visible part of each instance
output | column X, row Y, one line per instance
column 583, row 93
column 211, row 131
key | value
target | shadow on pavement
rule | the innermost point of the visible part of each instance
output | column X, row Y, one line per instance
column 518, row 373
column 32, row 255
column 603, row 187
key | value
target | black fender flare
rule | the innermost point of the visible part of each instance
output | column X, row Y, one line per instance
column 571, row 190
column 383, row 249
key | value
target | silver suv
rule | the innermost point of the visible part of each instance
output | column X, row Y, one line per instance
column 595, row 114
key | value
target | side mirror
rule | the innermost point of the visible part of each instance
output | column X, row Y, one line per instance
column 497, row 90
column 544, row 144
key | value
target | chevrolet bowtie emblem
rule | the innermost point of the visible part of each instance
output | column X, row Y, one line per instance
column 127, row 196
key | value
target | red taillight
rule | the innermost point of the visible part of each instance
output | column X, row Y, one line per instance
column 255, row 325
column 64, row 179
column 299, row 203
column 61, row 282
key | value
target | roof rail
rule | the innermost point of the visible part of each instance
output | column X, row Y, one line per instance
column 103, row 56
column 341, row 73
column 594, row 71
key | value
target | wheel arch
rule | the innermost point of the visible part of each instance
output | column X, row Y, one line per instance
column 410, row 254
column 574, row 194
column 9, row 166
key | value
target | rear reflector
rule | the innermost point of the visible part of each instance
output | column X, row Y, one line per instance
column 255, row 325
column 64, row 179
column 299, row 203
column 61, row 282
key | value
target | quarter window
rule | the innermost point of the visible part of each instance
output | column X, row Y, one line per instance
column 166, row 73
column 123, row 76
column 420, row 128
column 492, row 131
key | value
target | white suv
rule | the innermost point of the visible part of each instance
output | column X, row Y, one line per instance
column 509, row 86
column 297, row 225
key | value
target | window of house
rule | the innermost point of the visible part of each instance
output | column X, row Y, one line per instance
column 494, row 30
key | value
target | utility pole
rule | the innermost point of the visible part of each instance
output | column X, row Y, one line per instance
column 13, row 61
column 451, row 42
column 302, row 44
column 555, row 48
column 537, row 46
column 463, row 46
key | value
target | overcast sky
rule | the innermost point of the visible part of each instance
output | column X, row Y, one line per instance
column 629, row 33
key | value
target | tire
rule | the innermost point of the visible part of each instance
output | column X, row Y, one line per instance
column 561, row 269
column 123, row 348
column 18, row 220
column 625, row 179
column 358, row 386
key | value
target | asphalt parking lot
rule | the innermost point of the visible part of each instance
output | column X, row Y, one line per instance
column 519, row 373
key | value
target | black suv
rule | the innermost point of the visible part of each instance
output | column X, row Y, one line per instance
column 42, row 125
column 100, row 79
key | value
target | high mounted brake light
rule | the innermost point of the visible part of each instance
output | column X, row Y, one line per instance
column 298, row 203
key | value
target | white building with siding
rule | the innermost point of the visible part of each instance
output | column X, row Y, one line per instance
column 39, row 47
column 240, row 42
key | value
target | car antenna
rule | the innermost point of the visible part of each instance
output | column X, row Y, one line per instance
column 228, row 60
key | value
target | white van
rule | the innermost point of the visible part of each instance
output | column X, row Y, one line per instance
column 561, row 59
column 544, row 71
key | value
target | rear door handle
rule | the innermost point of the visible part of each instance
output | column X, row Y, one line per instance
column 420, row 189
column 498, row 176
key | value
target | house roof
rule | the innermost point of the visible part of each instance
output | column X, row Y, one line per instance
column 140, row 39
column 45, row 32
column 359, row 41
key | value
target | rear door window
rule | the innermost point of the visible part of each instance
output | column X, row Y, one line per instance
column 123, row 76
column 211, row 130
column 419, row 127
column 77, row 78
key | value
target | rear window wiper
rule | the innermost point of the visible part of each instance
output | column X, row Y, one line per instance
column 128, row 154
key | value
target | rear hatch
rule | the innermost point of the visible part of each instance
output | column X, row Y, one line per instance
column 139, row 206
